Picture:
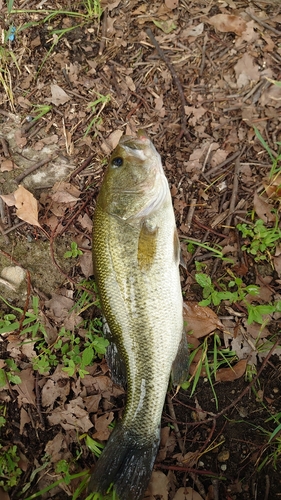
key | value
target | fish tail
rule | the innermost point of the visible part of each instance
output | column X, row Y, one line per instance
column 126, row 463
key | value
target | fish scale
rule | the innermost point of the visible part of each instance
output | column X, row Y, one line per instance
column 136, row 262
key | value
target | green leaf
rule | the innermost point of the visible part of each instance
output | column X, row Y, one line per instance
column 203, row 280
column 87, row 356
column 3, row 379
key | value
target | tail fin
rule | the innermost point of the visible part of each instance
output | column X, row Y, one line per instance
column 127, row 462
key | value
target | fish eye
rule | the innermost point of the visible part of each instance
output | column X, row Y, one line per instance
column 117, row 162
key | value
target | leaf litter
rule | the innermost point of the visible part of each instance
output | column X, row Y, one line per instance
column 226, row 64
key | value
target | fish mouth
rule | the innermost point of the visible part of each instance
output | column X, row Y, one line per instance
column 140, row 146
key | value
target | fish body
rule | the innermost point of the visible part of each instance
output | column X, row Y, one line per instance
column 136, row 262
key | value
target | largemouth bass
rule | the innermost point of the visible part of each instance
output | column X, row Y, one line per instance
column 136, row 261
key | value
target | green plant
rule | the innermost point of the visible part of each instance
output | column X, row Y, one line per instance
column 9, row 469
column 261, row 240
column 8, row 373
column 211, row 359
column 97, row 120
column 74, row 252
column 213, row 296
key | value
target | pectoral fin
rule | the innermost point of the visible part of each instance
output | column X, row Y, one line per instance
column 180, row 365
column 147, row 245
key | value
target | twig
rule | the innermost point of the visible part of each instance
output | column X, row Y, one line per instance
column 176, row 82
column 176, row 427
column 203, row 55
column 103, row 32
column 5, row 147
column 2, row 210
column 2, row 231
column 191, row 211
column 14, row 227
column 193, row 475
column 31, row 169
column 225, row 162
column 267, row 487
column 262, row 23
column 82, row 166
column 234, row 191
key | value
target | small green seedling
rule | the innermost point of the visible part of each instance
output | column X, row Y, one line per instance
column 74, row 252
column 9, row 469
column 261, row 241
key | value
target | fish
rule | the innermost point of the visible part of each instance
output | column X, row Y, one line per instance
column 136, row 255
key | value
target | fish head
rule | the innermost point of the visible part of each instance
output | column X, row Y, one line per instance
column 134, row 184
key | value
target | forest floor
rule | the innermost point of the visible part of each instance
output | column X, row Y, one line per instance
column 203, row 79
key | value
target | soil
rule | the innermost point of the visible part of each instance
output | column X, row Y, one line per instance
column 204, row 115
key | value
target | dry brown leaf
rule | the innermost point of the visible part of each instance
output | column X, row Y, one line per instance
column 86, row 222
column 230, row 374
column 200, row 320
column 101, row 425
column 246, row 70
column 21, row 141
column 59, row 96
column 86, row 264
column 27, row 206
column 193, row 31
column 55, row 390
column 57, row 448
column 9, row 199
column 158, row 486
column 171, row 4
column 24, row 419
column 228, row 23
column 187, row 494
column 25, row 390
column 7, row 165
column 92, row 403
column 4, row 495
column 72, row 417
column 59, row 306
column 263, row 209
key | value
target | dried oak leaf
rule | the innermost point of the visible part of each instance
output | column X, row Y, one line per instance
column 263, row 209
column 25, row 390
column 233, row 373
column 200, row 320
column 27, row 207
column 246, row 70
column 228, row 23
column 158, row 486
column 187, row 494
column 59, row 96
column 101, row 425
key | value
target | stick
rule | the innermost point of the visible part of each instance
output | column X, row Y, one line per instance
column 176, row 82
column 31, row 169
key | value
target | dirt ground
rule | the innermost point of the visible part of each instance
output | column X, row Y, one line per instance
column 199, row 77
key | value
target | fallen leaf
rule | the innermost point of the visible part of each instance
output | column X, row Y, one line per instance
column 86, row 264
column 7, row 165
column 200, row 320
column 171, row 4
column 59, row 96
column 73, row 417
column 246, row 70
column 228, row 23
column 263, row 209
column 27, row 206
column 187, row 494
column 25, row 390
column 9, row 199
column 233, row 373
column 193, row 31
column 101, row 426
column 158, row 486
column 24, row 419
